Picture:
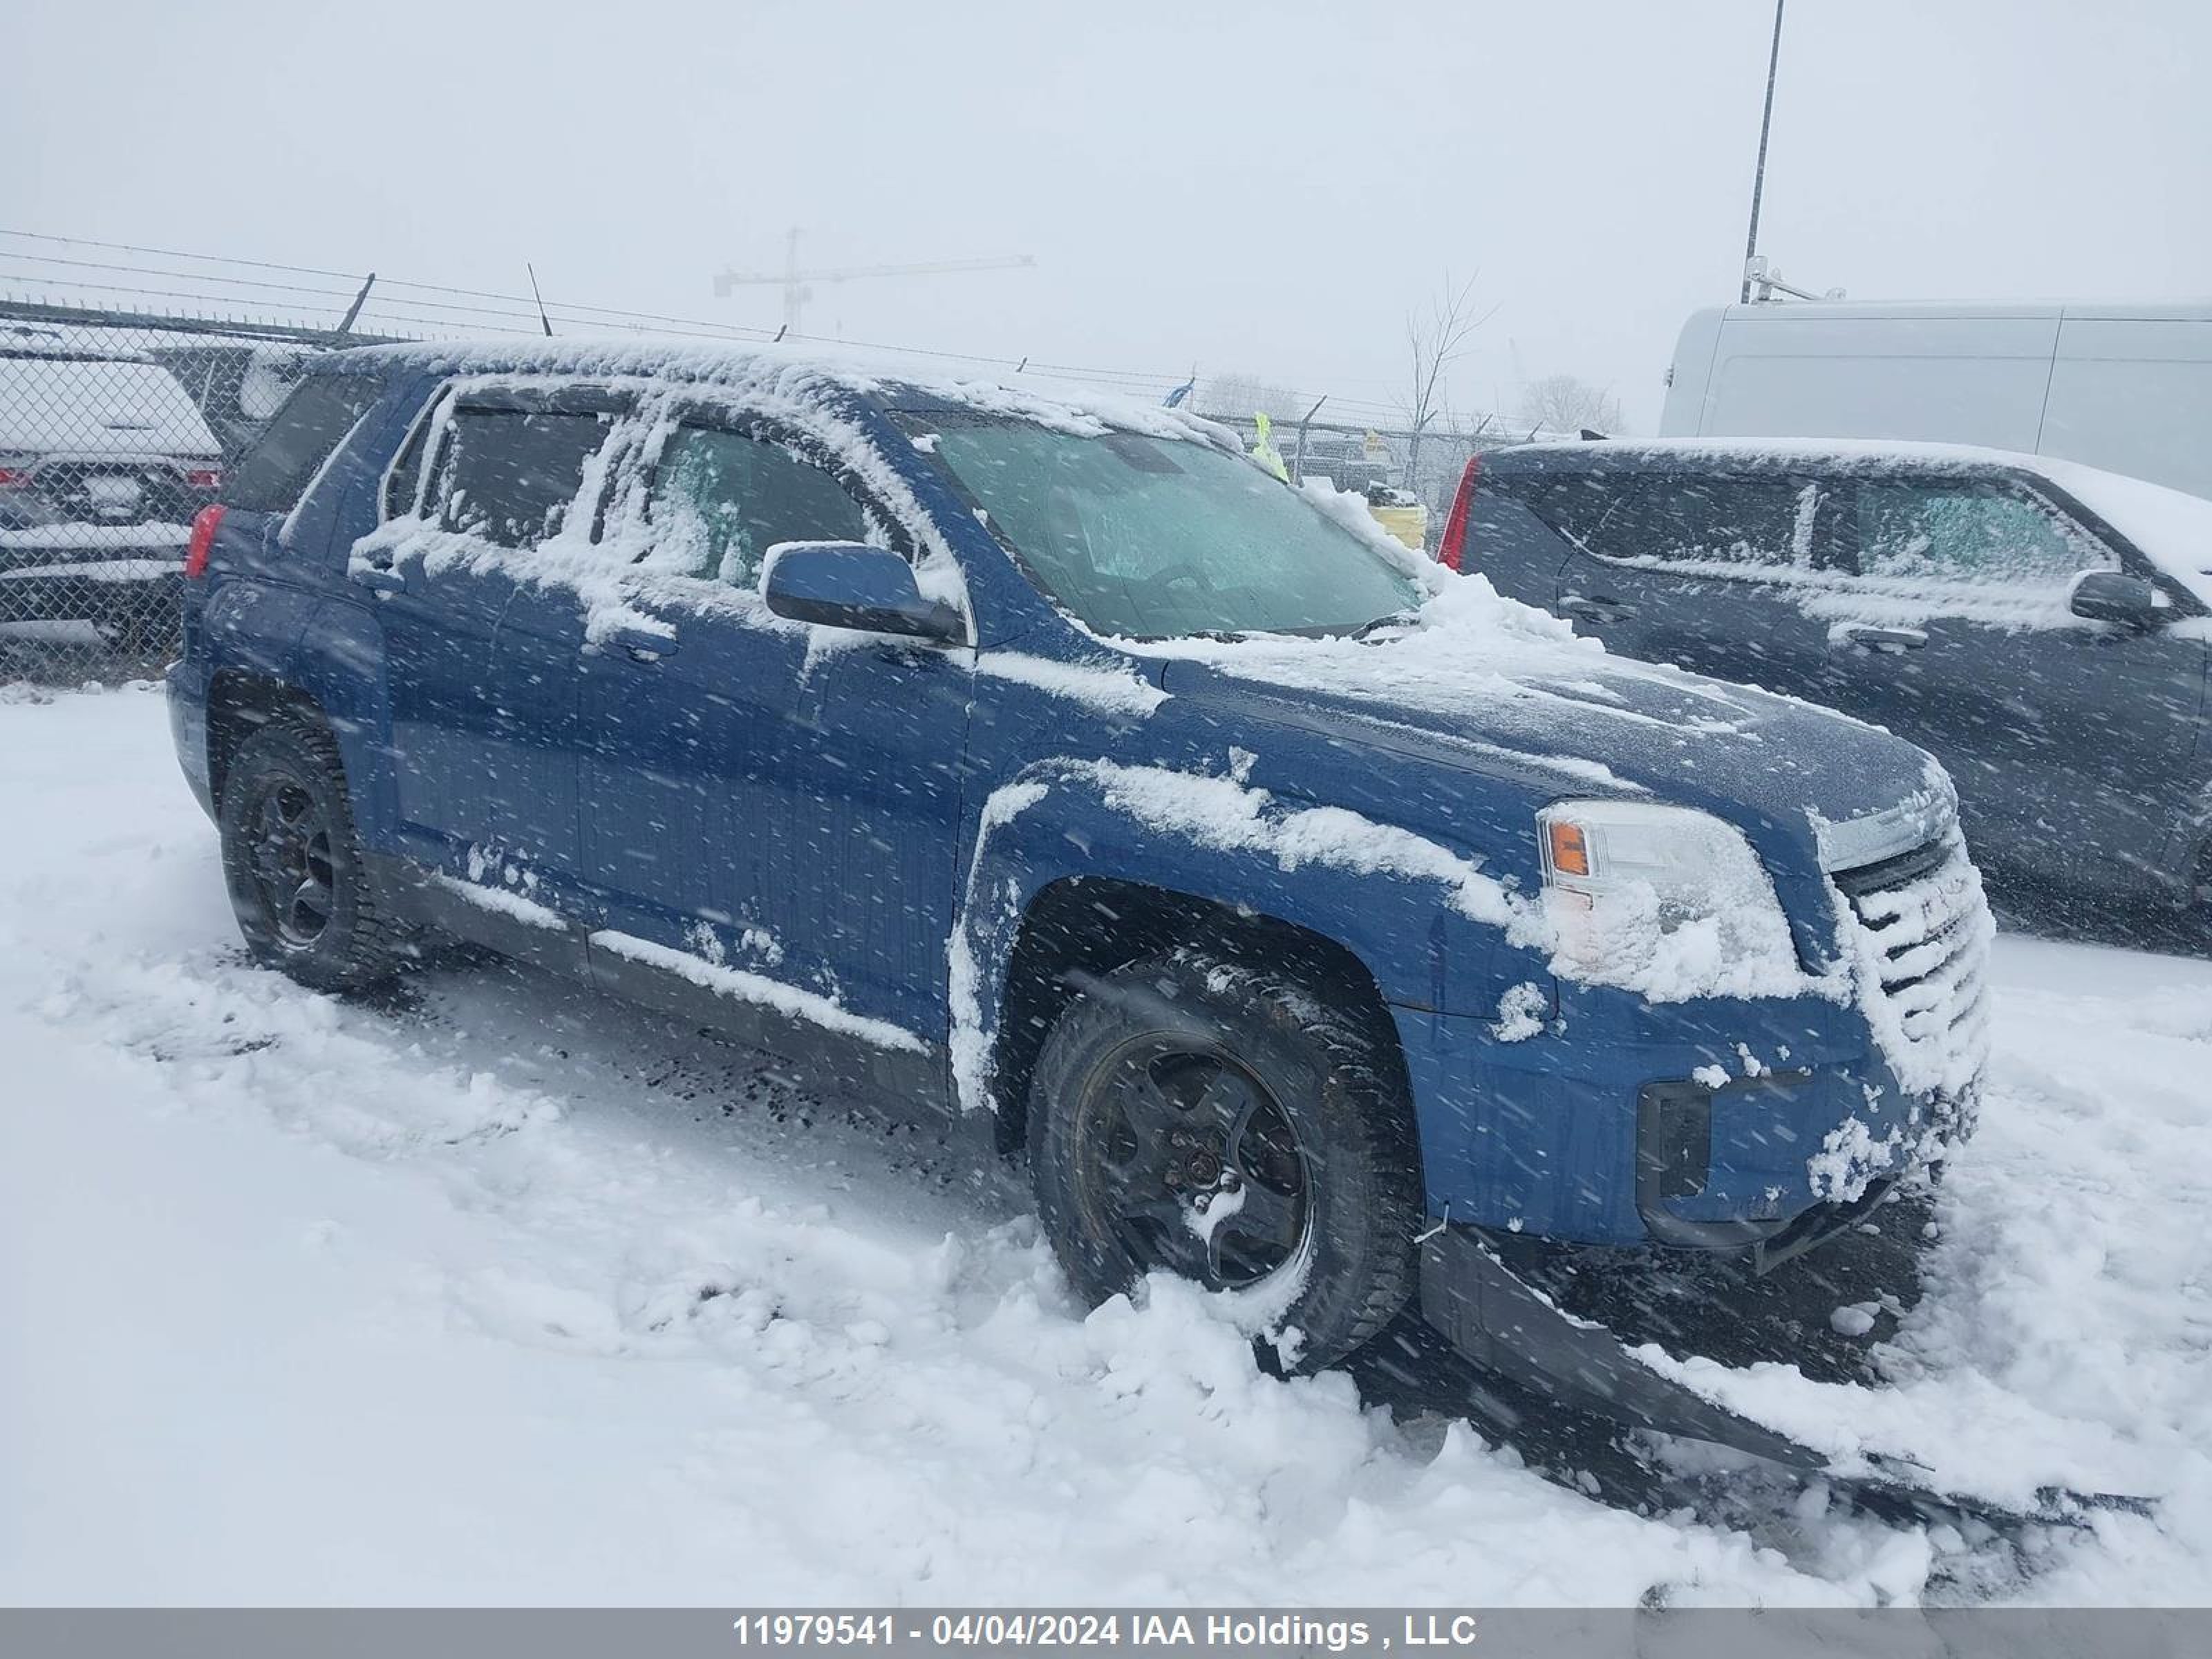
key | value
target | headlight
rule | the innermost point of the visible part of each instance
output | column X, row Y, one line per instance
column 1663, row 900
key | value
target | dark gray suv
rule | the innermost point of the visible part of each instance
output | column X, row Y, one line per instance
column 2044, row 628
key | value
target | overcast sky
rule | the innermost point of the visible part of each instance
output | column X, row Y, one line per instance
column 1253, row 188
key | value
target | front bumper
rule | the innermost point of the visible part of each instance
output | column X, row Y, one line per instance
column 1498, row 1321
column 1718, row 1125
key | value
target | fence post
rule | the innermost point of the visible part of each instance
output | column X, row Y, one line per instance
column 345, row 323
column 1298, row 463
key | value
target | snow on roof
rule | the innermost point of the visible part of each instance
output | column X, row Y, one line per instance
column 98, row 406
column 1784, row 451
column 791, row 370
column 2171, row 528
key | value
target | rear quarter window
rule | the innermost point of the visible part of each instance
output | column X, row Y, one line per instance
column 275, row 472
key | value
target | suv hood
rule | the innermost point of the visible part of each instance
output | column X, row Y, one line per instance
column 1533, row 703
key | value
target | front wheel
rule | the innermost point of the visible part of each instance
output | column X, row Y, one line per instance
column 1193, row 1116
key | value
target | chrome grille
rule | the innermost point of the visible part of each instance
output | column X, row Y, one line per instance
column 1925, row 932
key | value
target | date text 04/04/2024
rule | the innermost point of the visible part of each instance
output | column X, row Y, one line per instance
column 948, row 1631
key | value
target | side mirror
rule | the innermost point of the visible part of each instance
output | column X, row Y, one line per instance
column 847, row 585
column 2112, row 597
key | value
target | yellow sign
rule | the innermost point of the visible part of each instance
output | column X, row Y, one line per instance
column 1409, row 525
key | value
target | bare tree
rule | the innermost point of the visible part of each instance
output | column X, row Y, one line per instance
column 1234, row 397
column 1567, row 404
column 1458, row 436
column 1436, row 337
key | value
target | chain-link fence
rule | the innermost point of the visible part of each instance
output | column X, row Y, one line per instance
column 1386, row 462
column 114, row 431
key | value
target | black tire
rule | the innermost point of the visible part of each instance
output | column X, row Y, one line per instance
column 2201, row 910
column 290, row 858
column 1275, row 1096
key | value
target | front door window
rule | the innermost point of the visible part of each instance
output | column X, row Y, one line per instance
column 720, row 500
column 1980, row 533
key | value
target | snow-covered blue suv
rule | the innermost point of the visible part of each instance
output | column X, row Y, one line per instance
column 1319, row 924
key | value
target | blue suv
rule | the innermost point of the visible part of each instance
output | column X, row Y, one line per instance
column 1317, row 924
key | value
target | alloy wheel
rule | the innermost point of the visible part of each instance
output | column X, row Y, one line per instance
column 288, row 856
column 1193, row 1166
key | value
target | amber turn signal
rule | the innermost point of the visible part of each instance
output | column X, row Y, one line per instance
column 1570, row 852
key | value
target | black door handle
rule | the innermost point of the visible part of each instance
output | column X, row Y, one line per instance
column 1593, row 607
column 1888, row 641
column 642, row 645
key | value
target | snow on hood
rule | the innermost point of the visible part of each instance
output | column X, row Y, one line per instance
column 2171, row 527
column 1479, row 670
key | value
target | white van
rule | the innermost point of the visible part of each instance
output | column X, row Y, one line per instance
column 2125, row 387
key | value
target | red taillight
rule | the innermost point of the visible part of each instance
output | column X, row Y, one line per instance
column 1451, row 551
column 13, row 477
column 202, row 542
column 205, row 478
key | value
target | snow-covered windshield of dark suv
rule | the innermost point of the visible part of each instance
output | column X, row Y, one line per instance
column 1155, row 538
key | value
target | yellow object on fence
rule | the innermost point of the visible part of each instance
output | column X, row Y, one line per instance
column 1264, row 449
column 1409, row 525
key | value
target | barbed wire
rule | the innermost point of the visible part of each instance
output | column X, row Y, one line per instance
column 447, row 308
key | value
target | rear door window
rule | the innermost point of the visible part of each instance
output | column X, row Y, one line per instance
column 1769, row 521
column 275, row 473
column 513, row 476
column 1576, row 504
column 721, row 499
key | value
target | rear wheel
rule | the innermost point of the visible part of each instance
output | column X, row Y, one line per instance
column 291, row 859
column 1193, row 1116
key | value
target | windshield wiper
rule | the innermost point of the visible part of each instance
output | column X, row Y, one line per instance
column 1375, row 625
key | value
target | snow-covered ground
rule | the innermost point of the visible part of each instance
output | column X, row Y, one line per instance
column 503, row 1293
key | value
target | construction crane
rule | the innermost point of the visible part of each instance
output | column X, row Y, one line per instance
column 798, row 285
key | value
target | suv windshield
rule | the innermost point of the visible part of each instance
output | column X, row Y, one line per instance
column 1160, row 538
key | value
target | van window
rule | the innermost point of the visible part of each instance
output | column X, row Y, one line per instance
column 510, row 475
column 1963, row 530
column 720, row 500
column 276, row 473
